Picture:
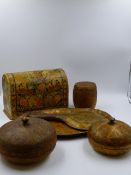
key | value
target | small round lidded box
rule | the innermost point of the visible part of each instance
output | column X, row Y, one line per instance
column 27, row 140
column 110, row 137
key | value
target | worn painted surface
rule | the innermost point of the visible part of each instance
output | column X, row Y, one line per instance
column 34, row 90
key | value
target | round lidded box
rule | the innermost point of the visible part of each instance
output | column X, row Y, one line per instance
column 26, row 141
column 110, row 137
column 85, row 94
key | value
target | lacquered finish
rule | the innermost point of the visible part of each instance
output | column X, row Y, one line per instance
column 34, row 90
column 110, row 137
column 85, row 95
column 27, row 140
column 77, row 118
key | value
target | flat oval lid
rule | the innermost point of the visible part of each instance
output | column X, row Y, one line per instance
column 65, row 131
column 77, row 118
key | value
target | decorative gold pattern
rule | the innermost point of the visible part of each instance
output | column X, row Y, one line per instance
column 34, row 90
column 111, row 137
column 77, row 118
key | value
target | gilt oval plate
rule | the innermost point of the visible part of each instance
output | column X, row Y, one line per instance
column 71, row 121
column 65, row 131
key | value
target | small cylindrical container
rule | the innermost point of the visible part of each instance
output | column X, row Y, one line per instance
column 85, row 94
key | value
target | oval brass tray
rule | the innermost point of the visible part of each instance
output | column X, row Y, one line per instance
column 65, row 131
column 75, row 118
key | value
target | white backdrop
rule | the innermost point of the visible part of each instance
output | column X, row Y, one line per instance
column 90, row 39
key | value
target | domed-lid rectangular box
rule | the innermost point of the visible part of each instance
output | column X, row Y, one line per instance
column 34, row 90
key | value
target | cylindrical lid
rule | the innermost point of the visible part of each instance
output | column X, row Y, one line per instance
column 84, row 85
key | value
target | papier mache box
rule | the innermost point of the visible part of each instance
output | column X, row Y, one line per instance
column 34, row 90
